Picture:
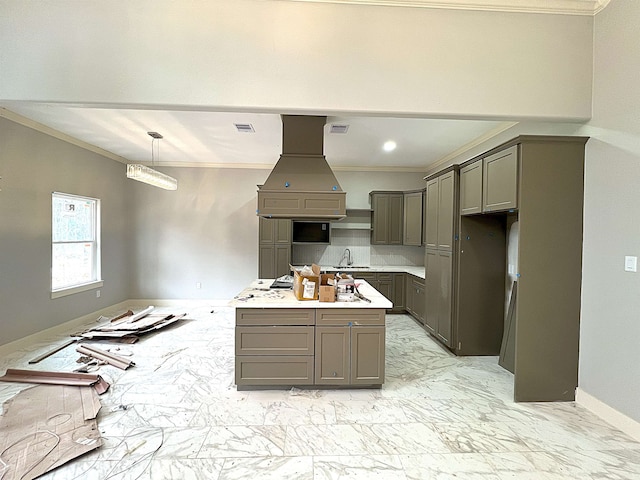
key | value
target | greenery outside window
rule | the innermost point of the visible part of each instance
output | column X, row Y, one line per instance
column 75, row 245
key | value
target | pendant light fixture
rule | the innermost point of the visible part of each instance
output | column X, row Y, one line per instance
column 145, row 174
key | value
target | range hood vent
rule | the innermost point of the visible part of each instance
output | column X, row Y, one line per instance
column 301, row 184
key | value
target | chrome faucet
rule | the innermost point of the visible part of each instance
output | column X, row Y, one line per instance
column 346, row 254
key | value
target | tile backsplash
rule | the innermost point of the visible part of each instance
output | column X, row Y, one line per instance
column 362, row 252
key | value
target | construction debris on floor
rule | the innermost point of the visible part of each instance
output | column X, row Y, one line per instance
column 56, row 378
column 107, row 357
column 46, row 426
column 130, row 327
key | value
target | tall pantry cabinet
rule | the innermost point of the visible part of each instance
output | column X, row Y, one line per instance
column 537, row 181
column 441, row 231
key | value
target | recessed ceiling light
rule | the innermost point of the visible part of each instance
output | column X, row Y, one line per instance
column 389, row 146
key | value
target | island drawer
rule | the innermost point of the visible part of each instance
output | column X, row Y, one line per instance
column 348, row 316
column 274, row 370
column 259, row 340
column 275, row 316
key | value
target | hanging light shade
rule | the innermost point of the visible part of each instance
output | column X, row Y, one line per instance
column 145, row 174
column 148, row 175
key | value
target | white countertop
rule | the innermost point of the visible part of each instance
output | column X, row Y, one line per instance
column 416, row 271
column 259, row 295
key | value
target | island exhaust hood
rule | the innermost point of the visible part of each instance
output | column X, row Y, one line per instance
column 301, row 185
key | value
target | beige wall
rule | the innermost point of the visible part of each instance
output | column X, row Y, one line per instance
column 610, row 328
column 32, row 165
column 300, row 57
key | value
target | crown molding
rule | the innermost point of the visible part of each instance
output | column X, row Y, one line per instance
column 52, row 132
column 559, row 7
column 446, row 160
column 269, row 167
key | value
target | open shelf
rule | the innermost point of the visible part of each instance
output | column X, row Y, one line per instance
column 357, row 219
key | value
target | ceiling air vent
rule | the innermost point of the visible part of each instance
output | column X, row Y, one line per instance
column 338, row 128
column 244, row 127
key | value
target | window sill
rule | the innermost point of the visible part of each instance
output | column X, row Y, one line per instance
column 63, row 292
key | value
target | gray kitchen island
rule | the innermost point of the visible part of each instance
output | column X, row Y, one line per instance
column 282, row 342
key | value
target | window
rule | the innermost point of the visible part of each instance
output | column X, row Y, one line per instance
column 75, row 248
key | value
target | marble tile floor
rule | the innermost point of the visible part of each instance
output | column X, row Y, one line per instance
column 178, row 415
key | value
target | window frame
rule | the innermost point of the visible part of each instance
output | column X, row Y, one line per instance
column 96, row 260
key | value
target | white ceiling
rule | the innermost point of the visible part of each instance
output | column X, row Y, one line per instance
column 198, row 138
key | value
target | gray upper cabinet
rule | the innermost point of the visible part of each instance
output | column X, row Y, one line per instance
column 500, row 181
column 283, row 232
column 387, row 222
column 274, row 231
column 274, row 252
column 441, row 207
column 431, row 216
column 413, row 218
column 471, row 188
column 446, row 209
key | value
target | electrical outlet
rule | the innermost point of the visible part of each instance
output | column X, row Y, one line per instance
column 97, row 293
column 198, row 285
column 630, row 264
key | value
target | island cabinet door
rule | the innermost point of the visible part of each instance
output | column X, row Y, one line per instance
column 332, row 355
column 367, row 355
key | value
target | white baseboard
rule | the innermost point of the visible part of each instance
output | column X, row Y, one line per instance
column 609, row 414
column 191, row 303
column 70, row 326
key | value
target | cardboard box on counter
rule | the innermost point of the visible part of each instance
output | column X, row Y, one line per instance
column 306, row 286
column 327, row 287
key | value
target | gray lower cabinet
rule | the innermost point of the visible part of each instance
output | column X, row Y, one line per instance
column 416, row 298
column 274, row 261
column 398, row 292
column 384, row 284
column 332, row 362
column 329, row 346
column 367, row 355
column 350, row 349
column 274, row 370
column 391, row 285
column 439, row 294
